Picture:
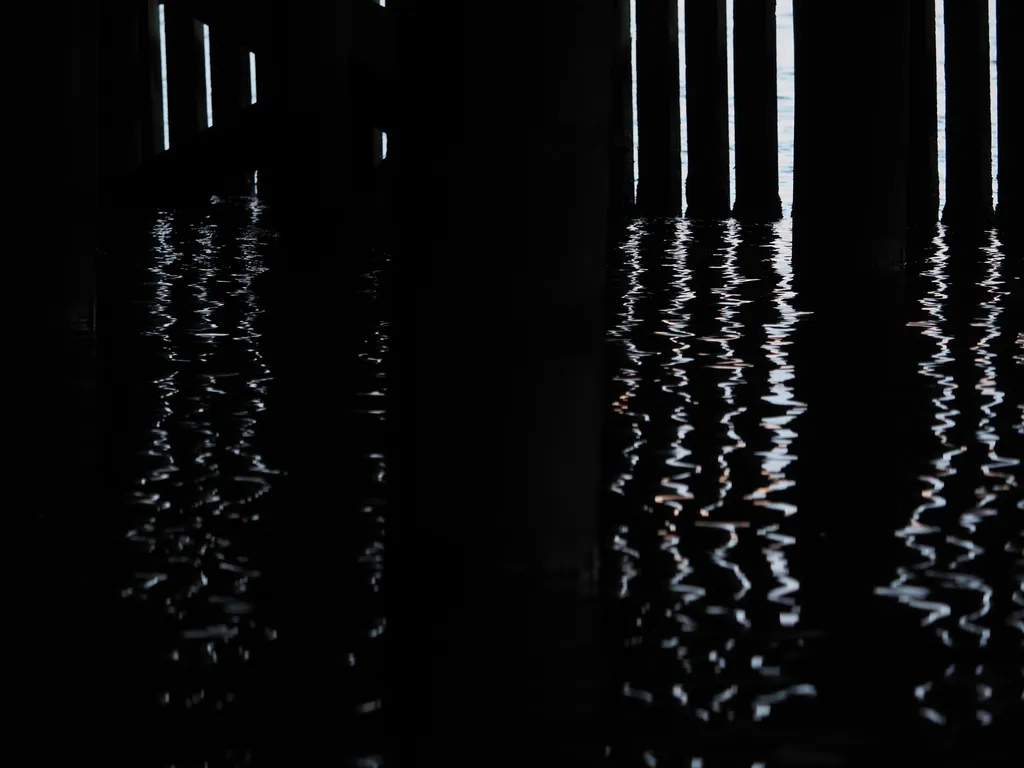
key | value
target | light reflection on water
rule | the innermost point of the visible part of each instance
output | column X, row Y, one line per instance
column 964, row 533
column 204, row 481
column 703, row 519
column 198, row 488
column 786, row 79
column 706, row 513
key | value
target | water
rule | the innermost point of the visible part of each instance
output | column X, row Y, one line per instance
column 245, row 570
column 791, row 587
column 774, row 615
column 732, row 613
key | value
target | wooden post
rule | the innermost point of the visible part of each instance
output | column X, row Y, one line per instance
column 923, row 159
column 186, row 74
column 707, row 110
column 757, row 111
column 621, row 188
column 660, row 186
column 968, row 116
column 232, row 95
column 850, row 198
column 229, row 77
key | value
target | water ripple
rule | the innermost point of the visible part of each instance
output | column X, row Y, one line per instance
column 964, row 581
column 203, row 479
column 704, row 416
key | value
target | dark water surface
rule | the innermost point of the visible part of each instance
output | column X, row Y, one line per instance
column 246, row 475
column 814, row 509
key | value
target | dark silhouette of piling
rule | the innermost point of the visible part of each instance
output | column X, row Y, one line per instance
column 496, row 396
column 74, row 185
column 120, row 107
column 757, row 111
column 129, row 98
column 317, row 165
column 621, row 181
column 850, row 199
column 659, row 124
column 150, row 80
column 56, row 185
column 923, row 159
column 1009, row 24
column 229, row 77
column 707, row 110
column 186, row 74
column 231, row 87
column 968, row 116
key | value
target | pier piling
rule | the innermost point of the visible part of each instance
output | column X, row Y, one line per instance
column 621, row 181
column 186, row 74
column 707, row 110
column 659, row 124
column 757, row 111
column 850, row 199
column 499, row 272
column 231, row 87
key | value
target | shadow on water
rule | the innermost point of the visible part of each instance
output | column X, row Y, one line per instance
column 813, row 536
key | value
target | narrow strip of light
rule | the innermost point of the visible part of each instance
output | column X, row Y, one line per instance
column 208, row 74
column 730, row 64
column 994, row 80
column 163, row 77
column 940, row 82
column 632, row 64
column 252, row 77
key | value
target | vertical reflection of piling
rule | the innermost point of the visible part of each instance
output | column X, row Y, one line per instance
column 704, row 254
column 150, row 79
column 317, row 165
column 1009, row 26
column 852, row 481
column 968, row 115
column 230, row 77
column 707, row 110
column 757, row 111
column 923, row 153
column 660, row 186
